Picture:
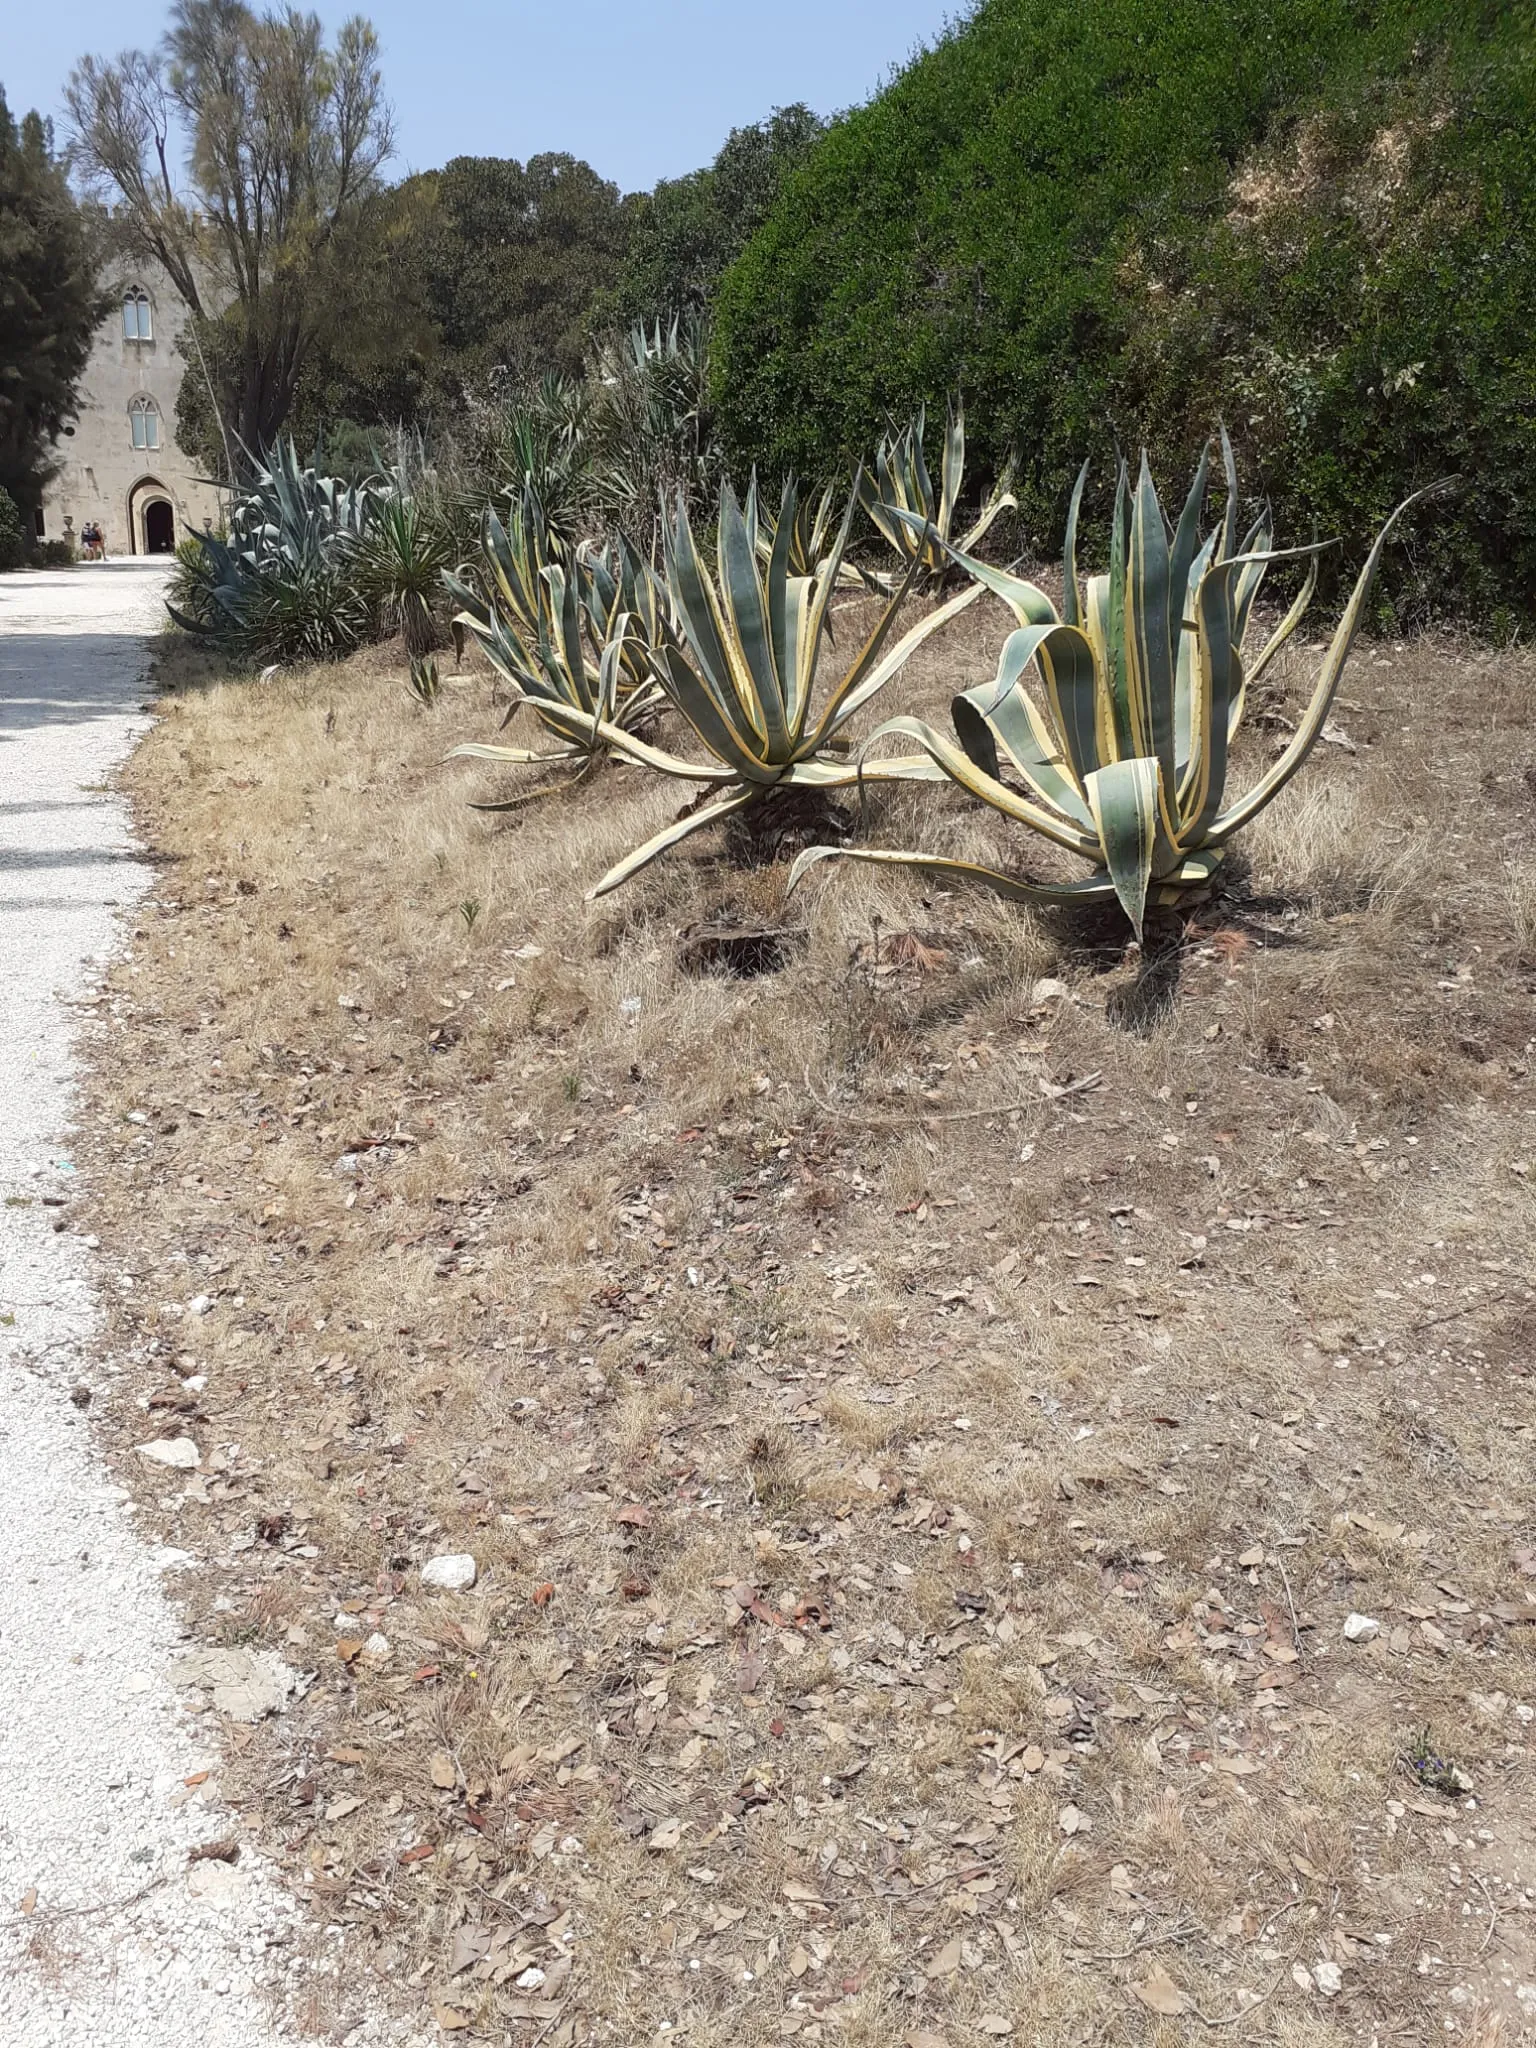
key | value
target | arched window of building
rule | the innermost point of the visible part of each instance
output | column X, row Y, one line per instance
column 144, row 419
column 137, row 323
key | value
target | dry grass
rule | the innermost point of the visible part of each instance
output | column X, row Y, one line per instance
column 916, row 1508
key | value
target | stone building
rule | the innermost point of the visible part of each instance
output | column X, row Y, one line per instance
column 119, row 463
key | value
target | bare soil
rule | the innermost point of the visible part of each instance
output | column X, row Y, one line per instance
column 923, row 1395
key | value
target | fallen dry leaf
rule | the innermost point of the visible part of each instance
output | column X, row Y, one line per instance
column 947, row 1961
column 666, row 1834
column 444, row 1771
column 1158, row 1993
column 449, row 2020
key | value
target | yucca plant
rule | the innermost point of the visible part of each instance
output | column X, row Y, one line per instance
column 400, row 565
column 899, row 497
column 1144, row 683
column 737, row 660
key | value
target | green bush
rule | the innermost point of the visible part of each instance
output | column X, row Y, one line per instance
column 1048, row 210
column 55, row 554
column 13, row 533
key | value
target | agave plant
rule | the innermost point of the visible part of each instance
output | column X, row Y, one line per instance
column 900, row 501
column 425, row 682
column 737, row 659
column 810, row 537
column 621, row 598
column 1144, row 684
column 282, row 585
column 513, row 558
column 566, row 643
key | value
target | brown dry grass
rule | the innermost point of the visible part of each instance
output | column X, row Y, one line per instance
column 916, row 1509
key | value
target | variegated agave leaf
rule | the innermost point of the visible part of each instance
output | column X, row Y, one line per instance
column 737, row 658
column 1122, row 754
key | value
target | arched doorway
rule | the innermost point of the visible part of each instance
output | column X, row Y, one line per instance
column 159, row 527
column 151, row 518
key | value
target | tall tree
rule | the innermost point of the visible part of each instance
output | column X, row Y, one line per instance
column 49, row 304
column 511, row 256
column 283, row 141
column 689, row 230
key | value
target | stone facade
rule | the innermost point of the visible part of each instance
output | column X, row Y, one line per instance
column 119, row 463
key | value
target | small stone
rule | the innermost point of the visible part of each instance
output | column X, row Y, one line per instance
column 346, row 1164
column 217, row 1884
column 532, row 1979
column 179, row 1451
column 1360, row 1628
column 1328, row 1978
column 454, row 1572
column 376, row 1651
column 200, row 1305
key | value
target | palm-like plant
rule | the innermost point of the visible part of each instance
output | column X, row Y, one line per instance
column 737, row 660
column 899, row 497
column 1144, row 682
column 400, row 566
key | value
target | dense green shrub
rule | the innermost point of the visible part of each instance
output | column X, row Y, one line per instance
column 13, row 534
column 1119, row 221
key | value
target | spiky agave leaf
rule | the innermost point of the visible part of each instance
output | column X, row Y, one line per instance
column 1143, row 683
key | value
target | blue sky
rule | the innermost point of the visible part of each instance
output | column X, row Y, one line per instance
column 642, row 91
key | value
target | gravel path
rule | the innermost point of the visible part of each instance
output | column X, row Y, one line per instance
column 108, row 1937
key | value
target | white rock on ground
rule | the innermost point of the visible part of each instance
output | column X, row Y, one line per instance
column 454, row 1572
column 94, row 1747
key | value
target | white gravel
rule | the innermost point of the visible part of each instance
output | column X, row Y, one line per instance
column 95, row 1747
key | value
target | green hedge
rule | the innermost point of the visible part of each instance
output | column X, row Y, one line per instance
column 1111, row 220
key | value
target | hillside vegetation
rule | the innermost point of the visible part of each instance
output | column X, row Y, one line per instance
column 1115, row 223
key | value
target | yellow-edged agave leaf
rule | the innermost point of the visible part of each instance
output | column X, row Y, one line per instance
column 1316, row 714
column 1090, row 889
column 1124, row 757
column 808, row 539
column 737, row 658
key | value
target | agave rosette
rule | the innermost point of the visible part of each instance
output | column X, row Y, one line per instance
column 812, row 531
column 1123, row 758
column 900, row 501
column 560, row 638
column 737, row 659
